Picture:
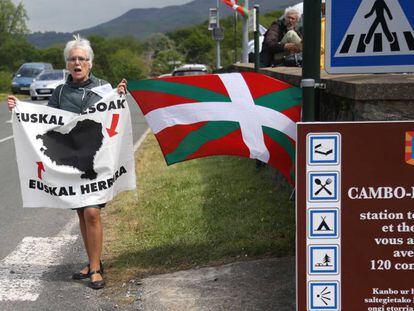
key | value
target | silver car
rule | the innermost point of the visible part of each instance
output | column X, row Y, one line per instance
column 46, row 82
column 190, row 70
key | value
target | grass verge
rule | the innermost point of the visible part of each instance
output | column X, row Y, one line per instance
column 201, row 212
column 3, row 96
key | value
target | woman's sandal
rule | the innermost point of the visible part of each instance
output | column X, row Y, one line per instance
column 82, row 276
column 96, row 284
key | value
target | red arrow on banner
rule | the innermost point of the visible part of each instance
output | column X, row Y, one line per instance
column 112, row 130
column 40, row 168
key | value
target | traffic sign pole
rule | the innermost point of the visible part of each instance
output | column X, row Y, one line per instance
column 311, row 56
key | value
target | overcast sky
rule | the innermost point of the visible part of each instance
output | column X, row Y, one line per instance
column 68, row 16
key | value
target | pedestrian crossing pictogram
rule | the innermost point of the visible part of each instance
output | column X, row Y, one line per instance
column 379, row 28
column 356, row 45
column 369, row 36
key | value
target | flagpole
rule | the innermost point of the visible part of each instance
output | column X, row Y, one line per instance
column 235, row 36
column 245, row 36
column 256, row 38
column 218, row 56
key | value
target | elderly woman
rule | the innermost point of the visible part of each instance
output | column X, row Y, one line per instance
column 284, row 37
column 76, row 95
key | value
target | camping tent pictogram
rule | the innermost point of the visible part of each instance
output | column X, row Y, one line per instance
column 323, row 226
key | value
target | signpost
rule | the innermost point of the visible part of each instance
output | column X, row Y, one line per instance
column 213, row 19
column 369, row 36
column 218, row 33
column 355, row 216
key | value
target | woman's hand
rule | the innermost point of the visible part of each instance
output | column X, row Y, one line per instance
column 122, row 87
column 11, row 102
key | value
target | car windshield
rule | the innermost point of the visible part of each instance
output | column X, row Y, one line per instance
column 29, row 72
column 58, row 75
column 189, row 73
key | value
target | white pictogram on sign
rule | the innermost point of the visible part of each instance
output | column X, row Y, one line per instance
column 323, row 186
column 379, row 27
column 323, row 149
column 323, row 223
column 323, row 259
column 323, row 296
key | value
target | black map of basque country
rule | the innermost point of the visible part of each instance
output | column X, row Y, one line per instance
column 76, row 148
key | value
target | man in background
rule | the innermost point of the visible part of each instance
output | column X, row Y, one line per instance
column 282, row 38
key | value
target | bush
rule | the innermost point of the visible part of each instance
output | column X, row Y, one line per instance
column 127, row 64
column 5, row 81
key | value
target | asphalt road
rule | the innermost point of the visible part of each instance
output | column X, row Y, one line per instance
column 40, row 248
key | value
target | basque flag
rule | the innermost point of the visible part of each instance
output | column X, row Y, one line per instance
column 244, row 114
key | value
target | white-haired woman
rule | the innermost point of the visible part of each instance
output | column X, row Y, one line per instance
column 75, row 95
column 282, row 38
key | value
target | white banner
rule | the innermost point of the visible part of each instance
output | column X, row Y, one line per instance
column 67, row 160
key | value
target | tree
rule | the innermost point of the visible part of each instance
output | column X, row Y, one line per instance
column 127, row 42
column 101, row 63
column 53, row 55
column 12, row 19
column 198, row 47
column 117, row 58
column 197, row 44
column 326, row 260
column 16, row 51
column 158, row 42
column 166, row 61
column 127, row 64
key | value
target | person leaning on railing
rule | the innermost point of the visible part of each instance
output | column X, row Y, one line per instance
column 284, row 37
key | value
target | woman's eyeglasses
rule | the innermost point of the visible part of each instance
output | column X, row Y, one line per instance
column 79, row 59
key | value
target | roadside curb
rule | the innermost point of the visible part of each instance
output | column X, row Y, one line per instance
column 262, row 284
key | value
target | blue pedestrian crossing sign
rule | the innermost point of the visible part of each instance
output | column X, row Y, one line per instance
column 369, row 36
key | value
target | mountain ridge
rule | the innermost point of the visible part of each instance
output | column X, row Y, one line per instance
column 141, row 23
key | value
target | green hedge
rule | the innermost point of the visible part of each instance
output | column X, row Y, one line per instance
column 5, row 81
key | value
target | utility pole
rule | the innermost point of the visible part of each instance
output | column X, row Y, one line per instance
column 245, row 37
column 311, row 56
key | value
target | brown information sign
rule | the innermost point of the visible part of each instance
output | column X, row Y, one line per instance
column 355, row 216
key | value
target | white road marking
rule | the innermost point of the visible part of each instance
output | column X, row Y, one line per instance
column 6, row 139
column 141, row 140
column 22, row 270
